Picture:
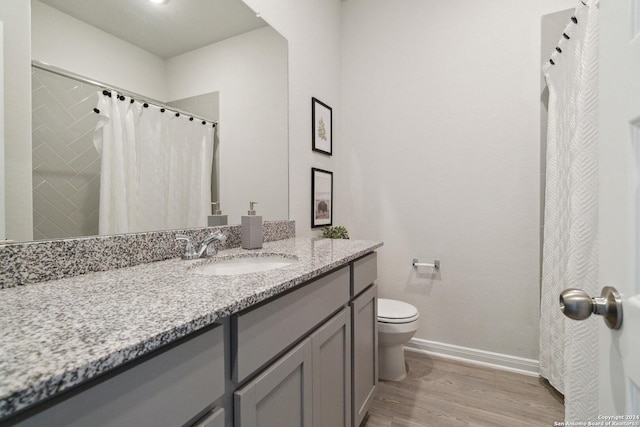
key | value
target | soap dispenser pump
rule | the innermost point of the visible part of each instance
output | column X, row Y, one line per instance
column 251, row 229
column 217, row 218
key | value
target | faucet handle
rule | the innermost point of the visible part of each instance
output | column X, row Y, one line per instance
column 185, row 238
column 189, row 251
column 221, row 237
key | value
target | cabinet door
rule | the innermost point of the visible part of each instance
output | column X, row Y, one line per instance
column 364, row 321
column 331, row 345
column 281, row 395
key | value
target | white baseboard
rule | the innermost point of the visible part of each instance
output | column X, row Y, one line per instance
column 477, row 357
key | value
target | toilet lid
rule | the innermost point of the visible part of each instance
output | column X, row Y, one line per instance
column 393, row 311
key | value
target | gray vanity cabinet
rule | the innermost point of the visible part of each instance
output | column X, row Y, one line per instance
column 311, row 384
column 329, row 378
column 260, row 334
column 305, row 358
column 364, row 320
column 308, row 386
column 168, row 388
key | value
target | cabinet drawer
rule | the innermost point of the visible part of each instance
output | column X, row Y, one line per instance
column 168, row 389
column 365, row 272
column 266, row 331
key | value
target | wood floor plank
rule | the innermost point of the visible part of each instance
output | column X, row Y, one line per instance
column 441, row 393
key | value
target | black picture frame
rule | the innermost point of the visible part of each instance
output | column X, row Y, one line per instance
column 321, row 131
column 321, row 198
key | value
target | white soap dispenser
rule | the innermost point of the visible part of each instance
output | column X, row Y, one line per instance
column 251, row 229
column 217, row 218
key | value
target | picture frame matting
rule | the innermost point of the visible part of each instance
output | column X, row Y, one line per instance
column 321, row 198
column 321, row 127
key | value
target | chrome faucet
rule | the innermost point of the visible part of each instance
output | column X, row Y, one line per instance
column 193, row 253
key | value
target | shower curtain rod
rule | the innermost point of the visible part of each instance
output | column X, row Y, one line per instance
column 59, row 71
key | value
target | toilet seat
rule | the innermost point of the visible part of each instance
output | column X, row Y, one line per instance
column 392, row 311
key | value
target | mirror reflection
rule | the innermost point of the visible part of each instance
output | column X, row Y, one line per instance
column 237, row 77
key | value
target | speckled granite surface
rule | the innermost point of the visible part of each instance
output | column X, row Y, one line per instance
column 60, row 333
column 39, row 261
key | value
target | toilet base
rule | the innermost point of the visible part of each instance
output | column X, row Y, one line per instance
column 391, row 366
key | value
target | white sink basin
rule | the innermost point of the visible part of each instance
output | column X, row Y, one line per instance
column 245, row 265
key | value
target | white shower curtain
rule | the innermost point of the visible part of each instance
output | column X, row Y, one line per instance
column 568, row 348
column 156, row 168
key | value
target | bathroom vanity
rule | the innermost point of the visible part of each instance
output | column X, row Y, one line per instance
column 159, row 344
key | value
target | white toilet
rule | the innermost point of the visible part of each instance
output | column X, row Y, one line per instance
column 397, row 322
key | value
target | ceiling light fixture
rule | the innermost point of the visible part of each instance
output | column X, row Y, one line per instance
column 159, row 1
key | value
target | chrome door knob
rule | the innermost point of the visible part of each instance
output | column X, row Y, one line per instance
column 578, row 305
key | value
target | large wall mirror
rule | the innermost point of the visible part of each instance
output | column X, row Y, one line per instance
column 214, row 58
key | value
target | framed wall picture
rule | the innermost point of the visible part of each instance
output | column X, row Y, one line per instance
column 321, row 119
column 321, row 198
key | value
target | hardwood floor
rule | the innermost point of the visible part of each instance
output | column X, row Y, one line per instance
column 440, row 392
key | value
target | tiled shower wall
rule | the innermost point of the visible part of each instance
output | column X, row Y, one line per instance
column 66, row 165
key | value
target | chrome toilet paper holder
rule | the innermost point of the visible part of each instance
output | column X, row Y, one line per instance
column 435, row 265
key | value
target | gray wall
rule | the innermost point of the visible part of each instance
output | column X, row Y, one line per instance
column 441, row 107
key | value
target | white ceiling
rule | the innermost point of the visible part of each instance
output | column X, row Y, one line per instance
column 168, row 29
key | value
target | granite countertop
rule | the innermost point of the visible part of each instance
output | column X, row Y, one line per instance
column 61, row 333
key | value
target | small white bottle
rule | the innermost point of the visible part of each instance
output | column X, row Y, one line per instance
column 251, row 229
column 217, row 218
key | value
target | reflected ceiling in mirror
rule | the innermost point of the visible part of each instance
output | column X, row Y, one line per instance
column 167, row 29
